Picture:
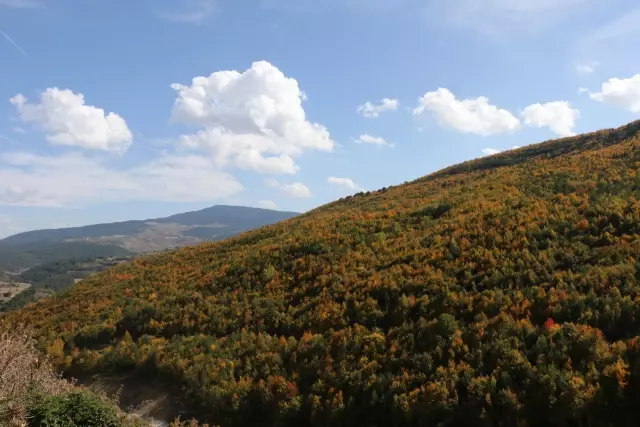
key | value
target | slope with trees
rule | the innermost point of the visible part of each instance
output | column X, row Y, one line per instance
column 499, row 292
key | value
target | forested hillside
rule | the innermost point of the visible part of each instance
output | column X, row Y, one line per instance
column 500, row 292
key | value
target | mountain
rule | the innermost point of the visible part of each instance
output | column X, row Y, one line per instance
column 214, row 223
column 504, row 291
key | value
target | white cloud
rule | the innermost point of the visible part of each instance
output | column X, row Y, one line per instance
column 370, row 110
column 622, row 93
column 252, row 120
column 267, row 204
column 492, row 151
column 474, row 115
column 587, row 68
column 296, row 189
column 73, row 179
column 370, row 139
column 66, row 119
column 192, row 12
column 557, row 116
column 344, row 182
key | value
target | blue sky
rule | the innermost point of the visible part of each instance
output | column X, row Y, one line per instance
column 138, row 109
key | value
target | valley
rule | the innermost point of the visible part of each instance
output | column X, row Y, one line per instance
column 49, row 261
column 9, row 290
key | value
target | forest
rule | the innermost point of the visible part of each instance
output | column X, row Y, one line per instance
column 49, row 278
column 504, row 291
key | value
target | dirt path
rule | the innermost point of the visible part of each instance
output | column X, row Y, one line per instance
column 148, row 399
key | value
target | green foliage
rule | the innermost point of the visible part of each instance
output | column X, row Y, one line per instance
column 75, row 409
column 503, row 292
column 49, row 278
column 434, row 211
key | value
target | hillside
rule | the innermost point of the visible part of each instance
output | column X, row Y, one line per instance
column 500, row 292
column 214, row 223
column 46, row 279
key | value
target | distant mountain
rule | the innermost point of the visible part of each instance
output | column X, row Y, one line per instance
column 121, row 238
column 21, row 256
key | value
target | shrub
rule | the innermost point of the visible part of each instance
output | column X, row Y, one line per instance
column 31, row 390
column 23, row 370
column 75, row 409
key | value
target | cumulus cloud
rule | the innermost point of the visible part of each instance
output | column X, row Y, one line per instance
column 67, row 120
column 72, row 179
column 557, row 116
column 344, row 183
column 622, row 93
column 296, row 189
column 371, row 110
column 474, row 115
column 253, row 120
column 267, row 204
column 370, row 139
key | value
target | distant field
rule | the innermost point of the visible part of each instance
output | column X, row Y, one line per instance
column 9, row 290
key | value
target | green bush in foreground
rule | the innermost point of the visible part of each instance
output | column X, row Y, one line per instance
column 75, row 409
column 32, row 394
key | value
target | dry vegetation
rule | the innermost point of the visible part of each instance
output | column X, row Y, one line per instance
column 22, row 367
column 29, row 385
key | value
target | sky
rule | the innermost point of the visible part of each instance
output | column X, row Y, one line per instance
column 135, row 109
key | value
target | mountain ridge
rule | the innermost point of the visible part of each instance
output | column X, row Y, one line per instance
column 240, row 217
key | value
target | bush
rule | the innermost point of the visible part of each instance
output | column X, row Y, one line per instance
column 23, row 371
column 75, row 409
column 31, row 393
